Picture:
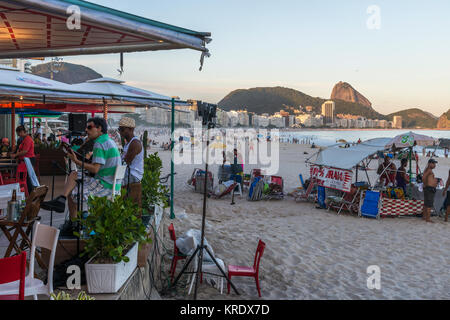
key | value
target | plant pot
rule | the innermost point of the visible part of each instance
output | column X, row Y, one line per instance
column 109, row 278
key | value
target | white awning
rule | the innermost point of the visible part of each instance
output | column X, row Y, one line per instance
column 347, row 158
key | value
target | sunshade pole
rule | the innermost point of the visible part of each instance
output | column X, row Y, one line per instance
column 172, row 215
column 410, row 172
column 13, row 124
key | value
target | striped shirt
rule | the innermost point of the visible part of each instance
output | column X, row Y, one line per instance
column 107, row 154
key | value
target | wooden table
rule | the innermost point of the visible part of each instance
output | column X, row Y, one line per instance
column 27, row 219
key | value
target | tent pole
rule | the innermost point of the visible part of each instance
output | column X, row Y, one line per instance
column 13, row 124
column 172, row 168
column 410, row 173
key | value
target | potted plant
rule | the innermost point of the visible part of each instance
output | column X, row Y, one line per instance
column 154, row 195
column 153, row 192
column 113, row 230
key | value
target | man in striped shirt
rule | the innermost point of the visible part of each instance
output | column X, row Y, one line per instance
column 105, row 159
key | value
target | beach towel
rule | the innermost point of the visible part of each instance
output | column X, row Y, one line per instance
column 30, row 171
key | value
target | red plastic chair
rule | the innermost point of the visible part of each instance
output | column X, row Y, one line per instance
column 176, row 253
column 13, row 269
column 240, row 271
column 21, row 178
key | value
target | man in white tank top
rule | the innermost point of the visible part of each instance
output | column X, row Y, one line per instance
column 133, row 152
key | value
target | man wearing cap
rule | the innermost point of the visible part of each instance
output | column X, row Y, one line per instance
column 133, row 156
column 429, row 189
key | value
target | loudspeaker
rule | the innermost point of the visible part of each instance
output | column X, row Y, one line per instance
column 77, row 122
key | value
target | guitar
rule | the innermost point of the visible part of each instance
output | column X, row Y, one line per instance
column 67, row 148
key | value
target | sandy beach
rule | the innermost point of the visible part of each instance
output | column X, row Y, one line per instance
column 312, row 253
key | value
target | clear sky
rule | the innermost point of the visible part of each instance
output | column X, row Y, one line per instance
column 304, row 45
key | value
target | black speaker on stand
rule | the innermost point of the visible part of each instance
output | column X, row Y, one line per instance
column 77, row 123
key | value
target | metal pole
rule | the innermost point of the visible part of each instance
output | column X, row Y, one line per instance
column 410, row 173
column 13, row 124
column 172, row 167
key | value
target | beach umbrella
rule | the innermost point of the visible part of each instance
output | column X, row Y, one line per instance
column 411, row 139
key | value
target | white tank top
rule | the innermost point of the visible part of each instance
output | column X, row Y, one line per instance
column 137, row 165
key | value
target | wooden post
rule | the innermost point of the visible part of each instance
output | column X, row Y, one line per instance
column 105, row 110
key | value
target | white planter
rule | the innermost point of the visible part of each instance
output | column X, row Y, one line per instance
column 109, row 278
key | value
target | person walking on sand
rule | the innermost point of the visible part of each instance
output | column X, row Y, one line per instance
column 447, row 199
column 429, row 189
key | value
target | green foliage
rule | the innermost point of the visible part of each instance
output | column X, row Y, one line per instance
column 271, row 100
column 113, row 227
column 153, row 192
column 413, row 118
column 66, row 296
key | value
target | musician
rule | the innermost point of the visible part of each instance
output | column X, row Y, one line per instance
column 133, row 156
column 387, row 171
column 133, row 152
column 105, row 159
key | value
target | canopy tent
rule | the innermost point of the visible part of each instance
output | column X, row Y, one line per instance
column 36, row 28
column 411, row 139
column 347, row 158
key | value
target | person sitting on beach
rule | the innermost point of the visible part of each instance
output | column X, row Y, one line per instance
column 105, row 159
column 429, row 189
column 401, row 177
column 387, row 171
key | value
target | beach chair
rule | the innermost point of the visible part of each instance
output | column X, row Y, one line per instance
column 228, row 190
column 370, row 204
column 255, row 192
column 349, row 201
column 276, row 186
column 307, row 194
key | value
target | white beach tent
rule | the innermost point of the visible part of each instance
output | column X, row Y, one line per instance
column 347, row 158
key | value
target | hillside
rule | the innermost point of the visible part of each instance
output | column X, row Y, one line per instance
column 444, row 121
column 68, row 73
column 415, row 118
column 273, row 99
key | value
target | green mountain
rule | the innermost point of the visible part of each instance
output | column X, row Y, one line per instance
column 273, row 99
column 415, row 118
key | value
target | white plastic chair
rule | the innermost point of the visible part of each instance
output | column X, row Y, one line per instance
column 44, row 237
column 119, row 175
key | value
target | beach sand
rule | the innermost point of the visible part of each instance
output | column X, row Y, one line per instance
column 312, row 253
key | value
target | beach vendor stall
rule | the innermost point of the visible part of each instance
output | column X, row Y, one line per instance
column 333, row 168
column 405, row 144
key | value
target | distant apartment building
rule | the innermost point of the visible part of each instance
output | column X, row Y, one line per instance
column 328, row 108
column 243, row 118
column 383, row 124
column 222, row 118
column 233, row 117
column 277, row 121
column 397, row 122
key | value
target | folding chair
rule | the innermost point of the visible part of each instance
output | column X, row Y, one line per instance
column 370, row 204
column 13, row 271
column 307, row 194
column 349, row 201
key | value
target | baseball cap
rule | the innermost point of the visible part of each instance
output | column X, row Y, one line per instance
column 432, row 161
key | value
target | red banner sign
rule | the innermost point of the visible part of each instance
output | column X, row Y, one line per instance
column 333, row 178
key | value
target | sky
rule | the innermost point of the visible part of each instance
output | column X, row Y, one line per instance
column 396, row 56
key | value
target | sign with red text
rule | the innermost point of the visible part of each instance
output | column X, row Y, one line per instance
column 333, row 178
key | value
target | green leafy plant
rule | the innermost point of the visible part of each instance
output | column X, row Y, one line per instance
column 153, row 192
column 66, row 296
column 113, row 226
